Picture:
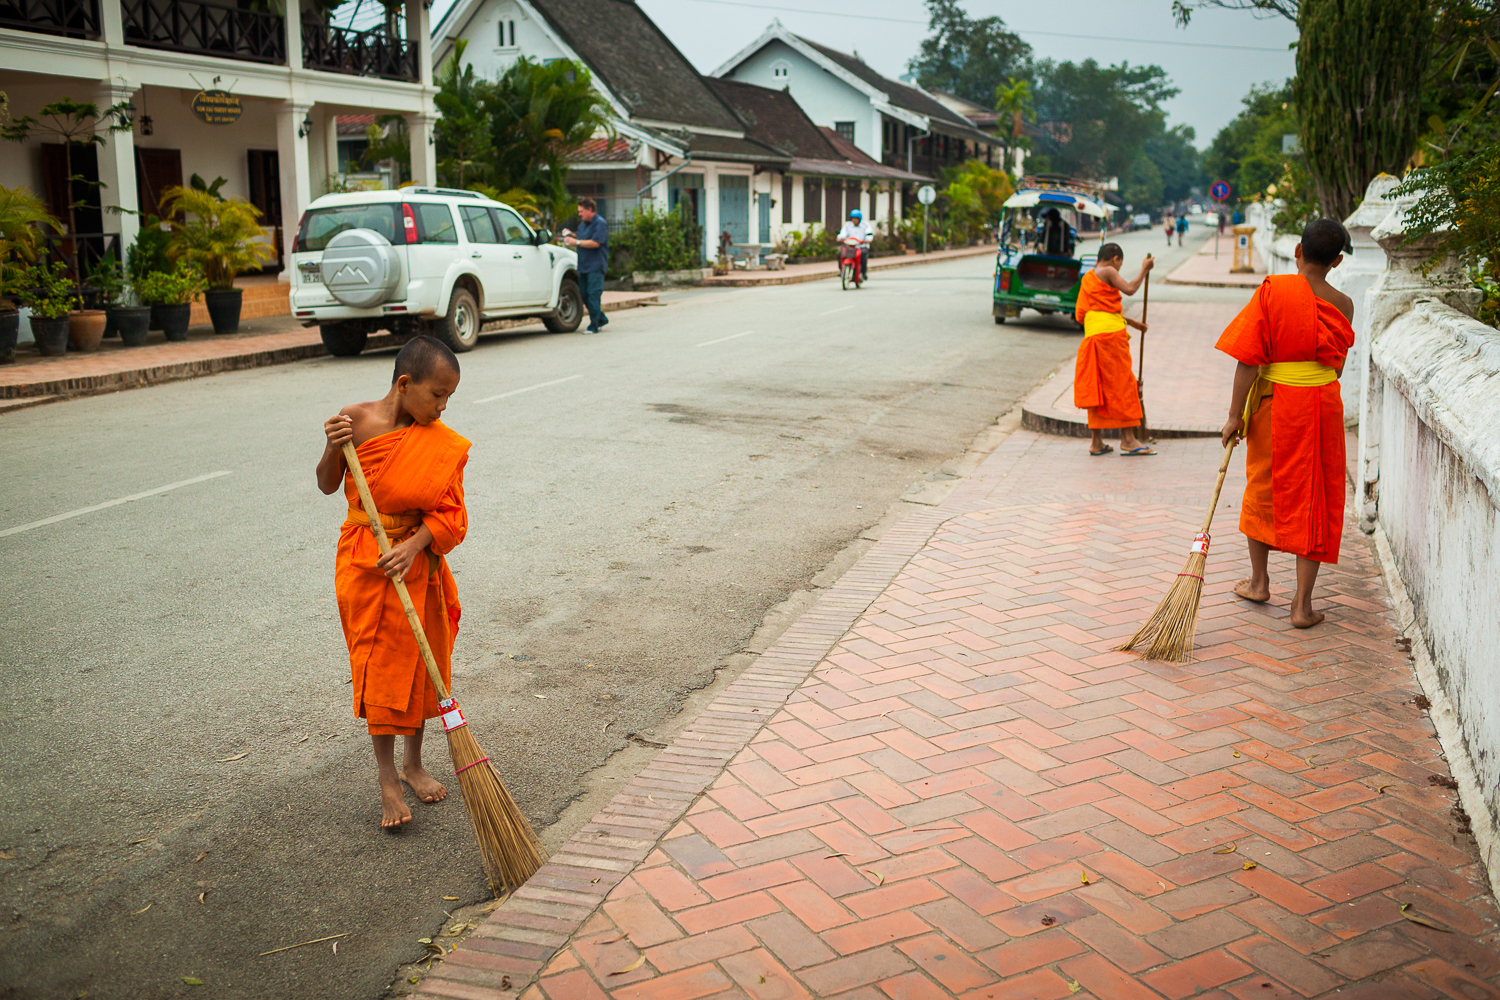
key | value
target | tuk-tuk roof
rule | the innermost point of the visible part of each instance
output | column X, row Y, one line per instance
column 1045, row 196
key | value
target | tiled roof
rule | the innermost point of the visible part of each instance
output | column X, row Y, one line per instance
column 901, row 95
column 844, row 148
column 631, row 56
column 774, row 118
column 604, row 149
column 354, row 124
column 725, row 147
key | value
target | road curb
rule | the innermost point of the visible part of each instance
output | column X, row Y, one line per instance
column 876, row 264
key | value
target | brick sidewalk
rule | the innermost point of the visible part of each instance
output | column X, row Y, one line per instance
column 942, row 783
column 1202, row 269
column 795, row 274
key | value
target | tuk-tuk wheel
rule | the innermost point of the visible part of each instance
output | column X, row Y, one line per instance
column 999, row 319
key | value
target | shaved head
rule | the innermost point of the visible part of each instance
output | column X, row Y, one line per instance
column 422, row 357
column 1111, row 251
column 1323, row 240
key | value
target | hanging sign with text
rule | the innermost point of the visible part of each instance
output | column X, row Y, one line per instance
column 217, row 107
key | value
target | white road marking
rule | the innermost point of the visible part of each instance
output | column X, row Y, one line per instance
column 517, row 392
column 838, row 310
column 110, row 503
column 721, row 340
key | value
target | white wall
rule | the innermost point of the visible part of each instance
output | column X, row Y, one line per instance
column 824, row 97
column 485, row 53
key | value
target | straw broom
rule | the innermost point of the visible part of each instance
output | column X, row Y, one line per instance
column 1173, row 626
column 507, row 844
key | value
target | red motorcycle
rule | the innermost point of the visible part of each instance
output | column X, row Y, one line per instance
column 851, row 262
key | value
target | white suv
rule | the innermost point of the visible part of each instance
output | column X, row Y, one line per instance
column 426, row 260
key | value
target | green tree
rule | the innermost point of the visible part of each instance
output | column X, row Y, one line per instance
column 465, row 151
column 1013, row 99
column 1098, row 118
column 967, row 57
column 975, row 194
column 539, row 114
column 1142, row 186
column 390, row 139
column 1247, row 153
column 1182, row 10
column 1360, row 69
column 1177, row 160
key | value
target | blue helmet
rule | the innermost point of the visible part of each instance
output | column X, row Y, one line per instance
column 856, row 214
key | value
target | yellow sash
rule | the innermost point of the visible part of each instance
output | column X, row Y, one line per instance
column 1298, row 373
column 398, row 528
column 1095, row 322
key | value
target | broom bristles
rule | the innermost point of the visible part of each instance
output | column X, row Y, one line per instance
column 1169, row 633
column 507, row 844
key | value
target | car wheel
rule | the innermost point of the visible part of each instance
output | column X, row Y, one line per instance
column 343, row 340
column 999, row 319
column 569, row 312
column 460, row 328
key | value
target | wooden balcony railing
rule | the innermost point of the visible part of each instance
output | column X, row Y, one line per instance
column 69, row 18
column 361, row 53
column 207, row 27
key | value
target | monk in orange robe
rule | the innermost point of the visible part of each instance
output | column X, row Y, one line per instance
column 1290, row 342
column 414, row 465
column 1103, row 382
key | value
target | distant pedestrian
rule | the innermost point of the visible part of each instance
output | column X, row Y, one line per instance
column 1221, row 223
column 592, row 244
column 1168, row 225
column 1181, row 229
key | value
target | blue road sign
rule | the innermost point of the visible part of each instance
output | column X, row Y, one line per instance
column 1219, row 191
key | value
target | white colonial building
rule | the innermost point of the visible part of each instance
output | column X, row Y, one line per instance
column 186, row 67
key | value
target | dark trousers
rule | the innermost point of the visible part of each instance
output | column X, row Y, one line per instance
column 593, row 288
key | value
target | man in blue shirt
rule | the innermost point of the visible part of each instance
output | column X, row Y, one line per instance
column 592, row 243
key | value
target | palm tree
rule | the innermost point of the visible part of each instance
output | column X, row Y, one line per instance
column 1013, row 99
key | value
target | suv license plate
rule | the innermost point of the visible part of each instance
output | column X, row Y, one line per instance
column 312, row 277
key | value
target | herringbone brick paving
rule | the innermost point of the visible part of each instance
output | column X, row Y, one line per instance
column 970, row 795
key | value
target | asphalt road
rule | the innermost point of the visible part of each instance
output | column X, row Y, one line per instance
column 185, row 786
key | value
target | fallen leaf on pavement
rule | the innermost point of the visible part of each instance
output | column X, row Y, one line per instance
column 303, row 944
column 1048, row 920
column 1418, row 919
column 1249, row 865
column 201, row 899
column 640, row 960
column 1227, row 850
column 141, row 841
column 192, row 980
column 200, row 857
column 450, row 898
column 1381, row 789
column 1083, row 877
column 143, row 909
column 832, row 856
column 7, row 856
column 1236, row 753
column 879, row 878
column 1074, row 986
column 424, row 940
column 226, row 760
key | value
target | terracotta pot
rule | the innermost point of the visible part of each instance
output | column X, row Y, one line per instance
column 86, row 329
column 51, row 335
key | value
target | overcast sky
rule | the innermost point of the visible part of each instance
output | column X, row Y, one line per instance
column 1213, row 62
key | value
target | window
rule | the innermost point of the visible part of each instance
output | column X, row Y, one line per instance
column 512, row 229
column 507, row 33
column 320, row 225
column 786, row 198
column 812, row 199
column 479, row 226
column 845, row 129
column 434, row 223
column 781, row 69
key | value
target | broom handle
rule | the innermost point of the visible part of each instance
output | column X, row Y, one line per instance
column 352, row 460
column 1219, row 486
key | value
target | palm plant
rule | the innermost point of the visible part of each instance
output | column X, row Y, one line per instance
column 22, row 217
column 70, row 122
column 221, row 238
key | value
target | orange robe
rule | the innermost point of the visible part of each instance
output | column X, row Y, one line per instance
column 1294, row 444
column 1103, row 383
column 416, row 477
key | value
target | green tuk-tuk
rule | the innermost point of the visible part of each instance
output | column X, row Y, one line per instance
column 1039, row 263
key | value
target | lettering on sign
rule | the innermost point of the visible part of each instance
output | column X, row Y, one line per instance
column 217, row 107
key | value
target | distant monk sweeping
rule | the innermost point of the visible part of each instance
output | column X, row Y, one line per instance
column 1103, row 382
column 1290, row 342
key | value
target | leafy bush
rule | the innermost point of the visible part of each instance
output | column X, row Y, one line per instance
column 816, row 242
column 148, row 254
column 172, row 288
column 108, row 278
column 655, row 240
column 49, row 291
column 975, row 195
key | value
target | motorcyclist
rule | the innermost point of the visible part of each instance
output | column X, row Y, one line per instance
column 856, row 229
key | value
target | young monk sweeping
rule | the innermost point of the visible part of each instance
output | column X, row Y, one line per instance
column 415, row 468
column 1290, row 342
column 1103, row 382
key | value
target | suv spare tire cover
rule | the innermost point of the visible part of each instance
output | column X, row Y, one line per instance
column 361, row 268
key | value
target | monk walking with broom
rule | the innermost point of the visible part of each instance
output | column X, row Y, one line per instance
column 1290, row 342
column 1103, row 383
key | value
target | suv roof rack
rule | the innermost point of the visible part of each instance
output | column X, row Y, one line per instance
column 451, row 192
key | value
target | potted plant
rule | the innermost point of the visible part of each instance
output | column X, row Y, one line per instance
column 51, row 294
column 22, row 214
column 74, row 123
column 127, row 317
column 220, row 237
column 171, row 294
column 148, row 255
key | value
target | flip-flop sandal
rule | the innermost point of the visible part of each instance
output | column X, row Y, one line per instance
column 1141, row 450
column 1106, row 451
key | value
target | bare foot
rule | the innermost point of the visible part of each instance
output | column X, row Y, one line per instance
column 394, row 812
column 428, row 788
column 1250, row 592
column 1306, row 620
